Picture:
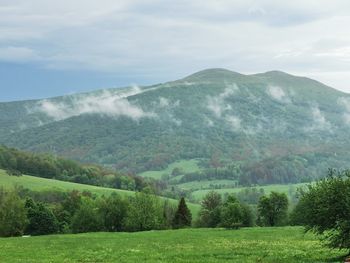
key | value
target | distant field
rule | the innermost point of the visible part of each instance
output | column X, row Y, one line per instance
column 205, row 184
column 287, row 188
column 284, row 244
column 42, row 184
column 187, row 166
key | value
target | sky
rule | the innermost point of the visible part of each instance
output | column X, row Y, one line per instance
column 50, row 48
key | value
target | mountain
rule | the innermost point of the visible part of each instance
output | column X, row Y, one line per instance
column 275, row 126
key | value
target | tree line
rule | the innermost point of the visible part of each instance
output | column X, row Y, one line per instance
column 230, row 212
column 81, row 212
column 48, row 166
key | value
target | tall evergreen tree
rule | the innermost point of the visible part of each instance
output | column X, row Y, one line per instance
column 183, row 216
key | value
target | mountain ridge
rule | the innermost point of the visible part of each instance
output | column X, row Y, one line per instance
column 239, row 118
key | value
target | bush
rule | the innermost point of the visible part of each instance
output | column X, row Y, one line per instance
column 87, row 218
column 235, row 214
column 13, row 218
column 41, row 219
column 272, row 209
column 324, row 208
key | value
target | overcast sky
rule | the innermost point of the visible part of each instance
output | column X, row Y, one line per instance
column 50, row 48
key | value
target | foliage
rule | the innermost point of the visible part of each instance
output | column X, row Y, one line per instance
column 183, row 216
column 41, row 220
column 12, row 214
column 234, row 214
column 87, row 217
column 272, row 209
column 114, row 212
column 325, row 208
column 210, row 214
column 145, row 213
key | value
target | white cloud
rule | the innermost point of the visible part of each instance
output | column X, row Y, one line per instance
column 319, row 120
column 217, row 104
column 106, row 103
column 307, row 37
column 345, row 102
column 234, row 122
column 223, row 110
column 278, row 94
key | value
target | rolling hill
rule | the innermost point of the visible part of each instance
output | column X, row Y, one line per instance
column 275, row 127
column 38, row 184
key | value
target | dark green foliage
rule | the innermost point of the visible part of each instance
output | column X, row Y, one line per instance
column 113, row 210
column 272, row 209
column 210, row 214
column 13, row 218
column 176, row 171
column 169, row 211
column 41, row 220
column 13, row 172
column 87, row 218
column 183, row 216
column 325, row 208
column 234, row 214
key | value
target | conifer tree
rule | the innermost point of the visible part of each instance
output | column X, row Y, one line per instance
column 183, row 216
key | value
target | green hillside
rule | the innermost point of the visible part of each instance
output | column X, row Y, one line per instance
column 42, row 184
column 276, row 127
column 280, row 244
column 185, row 166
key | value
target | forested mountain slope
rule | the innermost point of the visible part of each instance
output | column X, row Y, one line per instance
column 276, row 127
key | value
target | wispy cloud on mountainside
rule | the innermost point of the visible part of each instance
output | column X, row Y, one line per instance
column 221, row 109
column 278, row 94
column 345, row 102
column 106, row 103
column 217, row 104
column 319, row 120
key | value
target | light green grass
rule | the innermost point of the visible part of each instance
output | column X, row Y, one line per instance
column 283, row 188
column 206, row 184
column 188, row 166
column 285, row 244
column 42, row 184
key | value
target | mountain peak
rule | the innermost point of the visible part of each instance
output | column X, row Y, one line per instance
column 274, row 73
column 213, row 74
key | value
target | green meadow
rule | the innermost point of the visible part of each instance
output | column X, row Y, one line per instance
column 187, row 166
column 42, row 184
column 283, row 244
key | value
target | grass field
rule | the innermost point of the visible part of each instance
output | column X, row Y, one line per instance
column 187, row 166
column 287, row 188
column 285, row 244
column 42, row 184
column 206, row 184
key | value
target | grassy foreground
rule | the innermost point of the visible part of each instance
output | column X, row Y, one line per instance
column 285, row 244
